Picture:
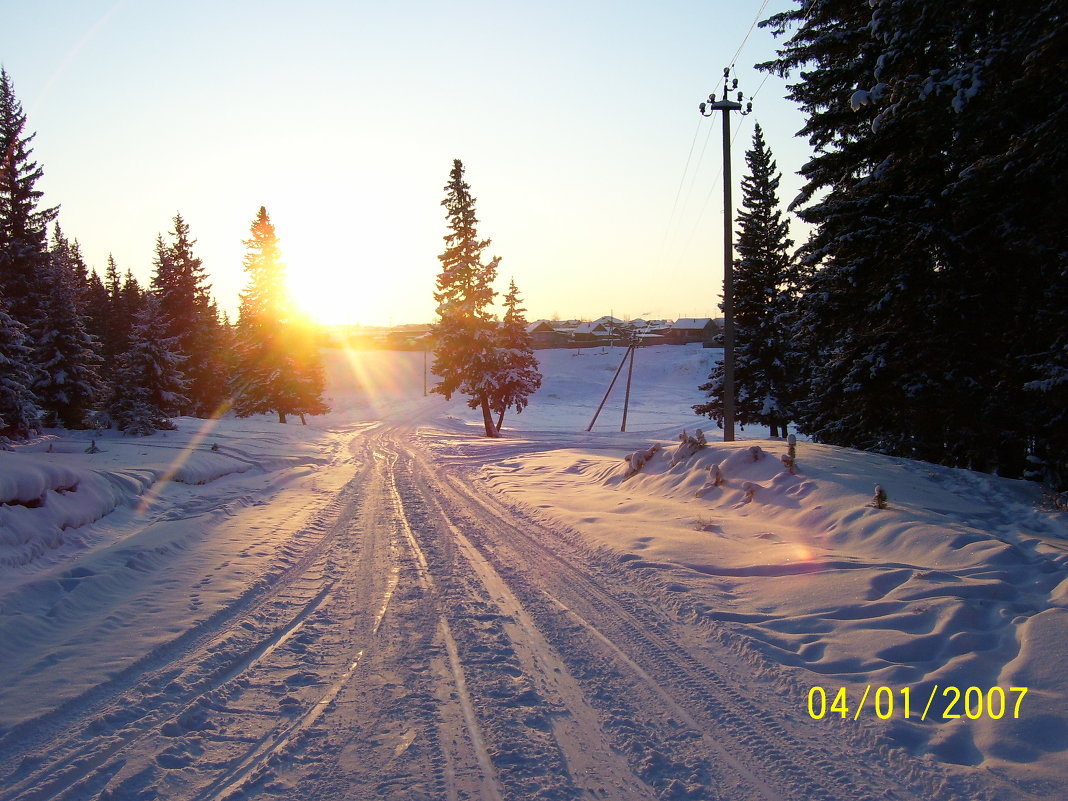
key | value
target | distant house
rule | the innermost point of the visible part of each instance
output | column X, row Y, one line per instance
column 544, row 334
column 609, row 322
column 590, row 332
column 687, row 330
column 409, row 337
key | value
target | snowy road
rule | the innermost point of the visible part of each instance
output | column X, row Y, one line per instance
column 426, row 640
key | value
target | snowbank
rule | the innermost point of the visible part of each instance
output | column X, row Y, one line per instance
column 960, row 582
column 41, row 501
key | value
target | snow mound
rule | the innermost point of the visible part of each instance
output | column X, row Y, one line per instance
column 40, row 501
column 961, row 581
column 205, row 466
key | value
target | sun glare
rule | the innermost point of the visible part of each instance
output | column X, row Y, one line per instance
column 337, row 291
column 322, row 299
column 353, row 280
column 333, row 293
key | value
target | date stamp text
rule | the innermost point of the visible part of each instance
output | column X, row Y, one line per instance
column 941, row 703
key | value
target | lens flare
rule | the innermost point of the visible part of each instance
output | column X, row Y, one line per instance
column 206, row 427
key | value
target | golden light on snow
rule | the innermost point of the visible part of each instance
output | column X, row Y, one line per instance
column 179, row 461
column 379, row 380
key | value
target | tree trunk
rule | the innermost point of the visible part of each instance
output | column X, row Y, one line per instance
column 303, row 422
column 500, row 421
column 281, row 417
column 487, row 418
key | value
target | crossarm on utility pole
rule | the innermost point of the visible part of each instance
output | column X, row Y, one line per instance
column 727, row 106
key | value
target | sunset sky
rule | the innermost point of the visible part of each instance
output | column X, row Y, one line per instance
column 596, row 177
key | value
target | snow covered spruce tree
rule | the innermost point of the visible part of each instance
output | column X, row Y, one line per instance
column 149, row 385
column 277, row 367
column 518, row 376
column 20, row 414
column 106, row 319
column 765, row 285
column 68, row 383
column 181, row 284
column 932, row 319
column 465, row 335
column 24, row 257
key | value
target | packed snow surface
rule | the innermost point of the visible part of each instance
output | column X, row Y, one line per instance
column 110, row 555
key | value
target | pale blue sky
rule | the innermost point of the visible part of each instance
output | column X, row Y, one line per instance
column 575, row 120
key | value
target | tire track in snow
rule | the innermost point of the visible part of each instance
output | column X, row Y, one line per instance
column 731, row 722
column 490, row 785
column 88, row 737
column 253, row 765
column 592, row 762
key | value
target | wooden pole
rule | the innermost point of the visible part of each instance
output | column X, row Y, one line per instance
column 626, row 398
column 606, row 394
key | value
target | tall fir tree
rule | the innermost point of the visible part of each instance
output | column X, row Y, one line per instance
column 465, row 332
column 96, row 308
column 24, row 257
column 66, row 354
column 149, row 385
column 20, row 414
column 766, row 281
column 935, row 313
column 518, row 376
column 105, row 319
column 128, row 302
column 277, row 365
column 185, row 300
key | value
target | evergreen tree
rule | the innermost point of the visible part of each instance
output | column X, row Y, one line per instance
column 465, row 333
column 277, row 365
column 149, row 384
column 310, row 379
column 766, row 281
column 23, row 226
column 181, row 284
column 105, row 319
column 517, row 371
column 933, row 324
column 129, row 301
column 19, row 412
column 96, row 309
column 66, row 355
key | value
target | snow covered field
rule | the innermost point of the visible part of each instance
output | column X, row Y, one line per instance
column 130, row 576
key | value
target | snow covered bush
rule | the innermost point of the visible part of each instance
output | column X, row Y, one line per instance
column 688, row 446
column 715, row 479
column 635, row 461
column 715, row 475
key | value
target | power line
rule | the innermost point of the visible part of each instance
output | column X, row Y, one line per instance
column 745, row 39
column 704, row 147
column 678, row 192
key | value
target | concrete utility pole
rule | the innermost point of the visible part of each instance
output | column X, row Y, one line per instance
column 727, row 106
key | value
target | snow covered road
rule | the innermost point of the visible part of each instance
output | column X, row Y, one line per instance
column 386, row 605
column 428, row 640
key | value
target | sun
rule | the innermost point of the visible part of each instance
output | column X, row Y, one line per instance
column 355, row 278
column 331, row 291
column 320, row 298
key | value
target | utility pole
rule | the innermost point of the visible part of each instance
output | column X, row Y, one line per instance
column 727, row 106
